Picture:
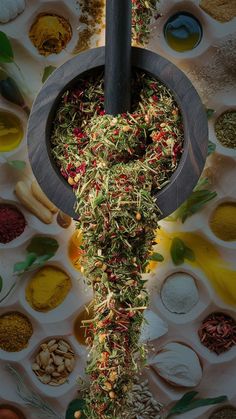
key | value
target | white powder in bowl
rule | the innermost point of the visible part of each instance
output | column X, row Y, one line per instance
column 179, row 293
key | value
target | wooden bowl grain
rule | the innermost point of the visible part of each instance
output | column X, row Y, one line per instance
column 43, row 111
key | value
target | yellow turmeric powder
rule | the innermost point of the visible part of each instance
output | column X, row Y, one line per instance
column 223, row 221
column 48, row 288
column 50, row 33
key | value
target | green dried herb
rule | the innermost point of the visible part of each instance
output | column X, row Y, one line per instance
column 225, row 128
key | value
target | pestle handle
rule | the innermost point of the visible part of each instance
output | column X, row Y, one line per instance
column 118, row 56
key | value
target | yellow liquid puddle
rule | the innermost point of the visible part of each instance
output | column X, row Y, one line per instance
column 207, row 258
column 74, row 251
column 79, row 329
column 11, row 131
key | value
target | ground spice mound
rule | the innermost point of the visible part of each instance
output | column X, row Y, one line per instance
column 15, row 331
column 92, row 13
column 227, row 412
column 225, row 129
column 12, row 223
column 50, row 33
column 221, row 10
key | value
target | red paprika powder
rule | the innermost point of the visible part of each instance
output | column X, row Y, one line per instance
column 12, row 223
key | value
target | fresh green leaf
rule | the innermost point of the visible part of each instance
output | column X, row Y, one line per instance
column 185, row 400
column 41, row 245
column 24, row 266
column 47, row 71
column 211, row 147
column 177, row 251
column 74, row 406
column 210, row 112
column 1, row 283
column 186, row 403
column 157, row 257
column 17, row 164
column 6, row 52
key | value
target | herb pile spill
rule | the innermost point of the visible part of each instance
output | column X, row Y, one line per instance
column 114, row 166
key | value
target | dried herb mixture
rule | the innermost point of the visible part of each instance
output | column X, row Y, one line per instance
column 114, row 165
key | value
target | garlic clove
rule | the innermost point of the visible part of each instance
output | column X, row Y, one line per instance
column 178, row 364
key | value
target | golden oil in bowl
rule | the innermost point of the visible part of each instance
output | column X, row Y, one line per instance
column 183, row 32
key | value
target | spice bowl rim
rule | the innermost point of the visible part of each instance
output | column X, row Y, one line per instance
column 208, row 30
column 221, row 108
column 19, row 356
column 69, row 12
column 68, row 386
column 203, row 302
column 207, row 230
column 28, row 230
column 63, row 310
column 195, row 148
column 20, row 114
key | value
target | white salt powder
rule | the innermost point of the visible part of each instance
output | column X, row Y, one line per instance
column 179, row 293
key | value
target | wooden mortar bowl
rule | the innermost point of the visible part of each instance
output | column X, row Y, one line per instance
column 195, row 122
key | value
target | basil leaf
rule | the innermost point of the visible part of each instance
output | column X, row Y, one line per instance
column 77, row 404
column 1, row 284
column 23, row 266
column 177, row 251
column 41, row 245
column 47, row 71
column 6, row 52
column 17, row 164
column 157, row 257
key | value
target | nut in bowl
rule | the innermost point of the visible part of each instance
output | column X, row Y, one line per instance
column 53, row 362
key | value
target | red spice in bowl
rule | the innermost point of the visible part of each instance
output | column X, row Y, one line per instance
column 218, row 332
column 12, row 223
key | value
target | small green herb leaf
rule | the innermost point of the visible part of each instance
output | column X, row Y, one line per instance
column 99, row 200
column 17, row 164
column 47, row 71
column 210, row 112
column 186, row 403
column 211, row 148
column 42, row 246
column 1, row 283
column 179, row 251
column 40, row 261
column 157, row 257
column 6, row 52
column 74, row 406
column 24, row 266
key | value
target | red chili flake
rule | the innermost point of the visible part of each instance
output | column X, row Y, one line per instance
column 82, row 168
column 218, row 332
column 102, row 112
column 155, row 98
